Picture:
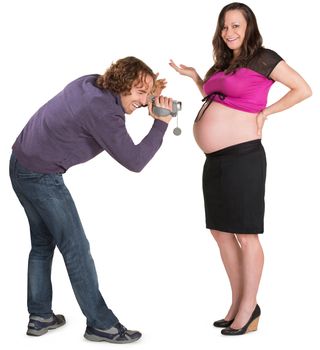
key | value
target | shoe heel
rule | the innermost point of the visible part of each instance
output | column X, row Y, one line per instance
column 92, row 337
column 253, row 326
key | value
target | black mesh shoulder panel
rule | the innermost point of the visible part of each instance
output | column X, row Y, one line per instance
column 264, row 62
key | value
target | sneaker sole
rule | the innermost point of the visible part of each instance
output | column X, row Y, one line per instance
column 37, row 333
column 97, row 338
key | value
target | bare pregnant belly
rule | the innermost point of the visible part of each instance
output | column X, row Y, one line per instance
column 221, row 126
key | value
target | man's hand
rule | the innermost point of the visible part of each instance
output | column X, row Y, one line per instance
column 159, row 85
column 164, row 102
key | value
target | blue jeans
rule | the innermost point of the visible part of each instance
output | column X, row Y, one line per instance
column 54, row 221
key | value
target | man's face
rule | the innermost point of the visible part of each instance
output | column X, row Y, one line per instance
column 138, row 95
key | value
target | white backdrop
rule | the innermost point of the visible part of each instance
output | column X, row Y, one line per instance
column 158, row 267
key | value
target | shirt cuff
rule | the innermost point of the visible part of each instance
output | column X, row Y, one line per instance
column 160, row 125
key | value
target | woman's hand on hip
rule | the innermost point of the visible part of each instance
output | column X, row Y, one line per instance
column 261, row 118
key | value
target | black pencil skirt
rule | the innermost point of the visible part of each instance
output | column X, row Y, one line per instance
column 233, row 188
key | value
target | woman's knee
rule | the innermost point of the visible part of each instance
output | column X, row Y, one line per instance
column 247, row 240
column 222, row 237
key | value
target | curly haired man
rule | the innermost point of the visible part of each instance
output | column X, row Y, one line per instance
column 84, row 119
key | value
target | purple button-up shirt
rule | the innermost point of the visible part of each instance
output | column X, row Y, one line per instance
column 79, row 123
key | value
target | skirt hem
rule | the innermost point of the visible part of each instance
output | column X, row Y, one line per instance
column 228, row 230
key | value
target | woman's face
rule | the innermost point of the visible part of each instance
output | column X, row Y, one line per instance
column 234, row 30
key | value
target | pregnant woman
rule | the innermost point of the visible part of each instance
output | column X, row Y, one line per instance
column 228, row 129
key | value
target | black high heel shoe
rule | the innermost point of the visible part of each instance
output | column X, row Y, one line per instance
column 222, row 323
column 250, row 326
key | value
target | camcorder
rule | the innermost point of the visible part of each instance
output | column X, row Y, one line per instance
column 161, row 112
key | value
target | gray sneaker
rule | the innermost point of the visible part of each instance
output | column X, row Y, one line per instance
column 116, row 334
column 38, row 325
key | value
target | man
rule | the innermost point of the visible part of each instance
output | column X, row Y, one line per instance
column 85, row 118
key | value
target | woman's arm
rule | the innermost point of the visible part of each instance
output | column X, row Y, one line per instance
column 299, row 89
column 189, row 72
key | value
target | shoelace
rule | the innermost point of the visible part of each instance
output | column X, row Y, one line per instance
column 122, row 329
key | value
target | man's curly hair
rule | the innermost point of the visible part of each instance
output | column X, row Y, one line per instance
column 120, row 76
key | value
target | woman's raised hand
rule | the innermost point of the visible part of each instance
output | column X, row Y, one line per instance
column 184, row 70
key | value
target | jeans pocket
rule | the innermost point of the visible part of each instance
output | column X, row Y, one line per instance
column 57, row 179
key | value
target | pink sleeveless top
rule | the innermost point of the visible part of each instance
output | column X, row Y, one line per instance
column 247, row 88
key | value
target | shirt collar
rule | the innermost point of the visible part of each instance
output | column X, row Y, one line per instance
column 118, row 100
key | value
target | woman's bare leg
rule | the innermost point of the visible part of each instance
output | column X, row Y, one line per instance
column 231, row 255
column 252, row 264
